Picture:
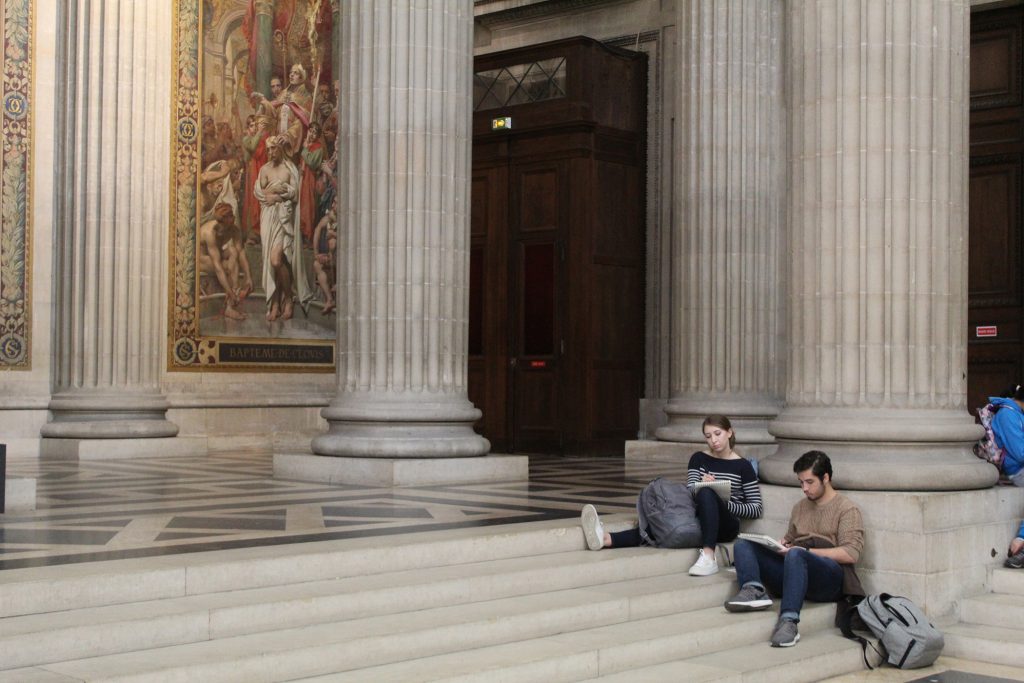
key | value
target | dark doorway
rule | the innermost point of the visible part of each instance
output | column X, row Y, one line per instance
column 996, row 273
column 557, row 249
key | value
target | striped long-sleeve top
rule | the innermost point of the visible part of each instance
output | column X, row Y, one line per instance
column 745, row 490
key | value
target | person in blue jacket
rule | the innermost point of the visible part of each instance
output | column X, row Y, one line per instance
column 1016, row 553
column 1008, row 428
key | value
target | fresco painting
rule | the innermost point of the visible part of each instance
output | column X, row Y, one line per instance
column 253, row 227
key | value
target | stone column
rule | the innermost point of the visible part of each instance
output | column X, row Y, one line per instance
column 878, row 264
column 727, row 324
column 264, row 41
column 111, row 221
column 403, row 304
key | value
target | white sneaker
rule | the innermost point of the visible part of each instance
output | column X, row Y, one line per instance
column 593, row 530
column 704, row 566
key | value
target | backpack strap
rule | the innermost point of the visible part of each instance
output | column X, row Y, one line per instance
column 844, row 620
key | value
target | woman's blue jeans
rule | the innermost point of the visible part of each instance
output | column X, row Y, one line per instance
column 795, row 576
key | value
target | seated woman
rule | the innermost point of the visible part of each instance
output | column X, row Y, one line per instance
column 719, row 520
column 1008, row 428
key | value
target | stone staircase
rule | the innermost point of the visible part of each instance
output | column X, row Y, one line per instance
column 513, row 603
column 991, row 627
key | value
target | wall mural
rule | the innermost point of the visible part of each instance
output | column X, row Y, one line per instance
column 15, row 174
column 253, row 257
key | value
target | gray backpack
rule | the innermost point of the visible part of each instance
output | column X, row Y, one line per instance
column 908, row 639
column 667, row 515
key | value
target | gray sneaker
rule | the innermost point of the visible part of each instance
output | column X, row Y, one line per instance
column 785, row 633
column 749, row 599
column 1015, row 561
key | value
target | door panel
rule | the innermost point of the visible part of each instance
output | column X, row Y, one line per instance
column 537, row 276
column 995, row 297
column 488, row 383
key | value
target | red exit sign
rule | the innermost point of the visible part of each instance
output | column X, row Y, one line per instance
column 986, row 331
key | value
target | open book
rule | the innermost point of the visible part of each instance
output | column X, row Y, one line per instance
column 722, row 487
column 764, row 540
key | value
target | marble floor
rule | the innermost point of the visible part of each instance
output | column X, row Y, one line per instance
column 104, row 510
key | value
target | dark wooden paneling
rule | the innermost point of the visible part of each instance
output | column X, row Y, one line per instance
column 573, row 344
column 995, row 297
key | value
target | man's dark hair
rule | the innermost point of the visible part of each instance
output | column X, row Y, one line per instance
column 815, row 461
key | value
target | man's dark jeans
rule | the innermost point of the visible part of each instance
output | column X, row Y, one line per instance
column 796, row 575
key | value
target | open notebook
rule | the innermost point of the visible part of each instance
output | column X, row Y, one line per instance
column 722, row 488
column 764, row 540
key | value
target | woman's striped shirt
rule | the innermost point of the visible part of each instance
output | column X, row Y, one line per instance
column 745, row 490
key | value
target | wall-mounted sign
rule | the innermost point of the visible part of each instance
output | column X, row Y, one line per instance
column 501, row 123
column 986, row 331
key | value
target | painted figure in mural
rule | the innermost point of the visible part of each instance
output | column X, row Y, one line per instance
column 221, row 256
column 277, row 189
column 309, row 195
column 292, row 105
column 254, row 145
column 325, row 254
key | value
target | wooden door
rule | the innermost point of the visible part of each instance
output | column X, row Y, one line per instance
column 488, row 302
column 538, row 196
column 996, row 270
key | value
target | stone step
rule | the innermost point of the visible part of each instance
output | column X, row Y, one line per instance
column 37, row 590
column 589, row 653
column 983, row 643
column 994, row 609
column 57, row 636
column 1009, row 581
column 818, row 655
column 339, row 646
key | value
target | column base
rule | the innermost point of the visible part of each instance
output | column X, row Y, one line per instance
column 122, row 449
column 882, row 450
column 749, row 418
column 389, row 472
column 935, row 548
column 400, row 427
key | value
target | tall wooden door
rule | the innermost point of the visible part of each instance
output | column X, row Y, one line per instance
column 538, row 305
column 996, row 270
column 556, row 262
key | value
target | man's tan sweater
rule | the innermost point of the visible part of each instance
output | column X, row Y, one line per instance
column 837, row 521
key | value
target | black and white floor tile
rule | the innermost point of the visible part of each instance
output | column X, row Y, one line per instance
column 105, row 510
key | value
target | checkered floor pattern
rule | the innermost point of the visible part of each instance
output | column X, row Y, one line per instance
column 107, row 510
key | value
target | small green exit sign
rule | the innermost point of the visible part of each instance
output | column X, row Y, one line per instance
column 501, row 123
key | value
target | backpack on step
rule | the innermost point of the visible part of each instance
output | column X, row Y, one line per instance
column 907, row 638
column 667, row 515
column 986, row 448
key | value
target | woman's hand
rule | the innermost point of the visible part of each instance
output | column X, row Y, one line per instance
column 708, row 477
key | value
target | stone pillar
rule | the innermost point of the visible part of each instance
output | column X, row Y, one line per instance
column 727, row 322
column 264, row 41
column 403, row 234
column 111, row 219
column 878, row 264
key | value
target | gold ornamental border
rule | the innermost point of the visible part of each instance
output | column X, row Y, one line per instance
column 15, row 185
column 187, row 349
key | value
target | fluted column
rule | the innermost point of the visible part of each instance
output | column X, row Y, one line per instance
column 403, row 232
column 878, row 203
column 264, row 30
column 726, row 326
column 111, row 220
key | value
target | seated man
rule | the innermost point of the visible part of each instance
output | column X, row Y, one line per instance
column 824, row 541
column 1016, row 553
